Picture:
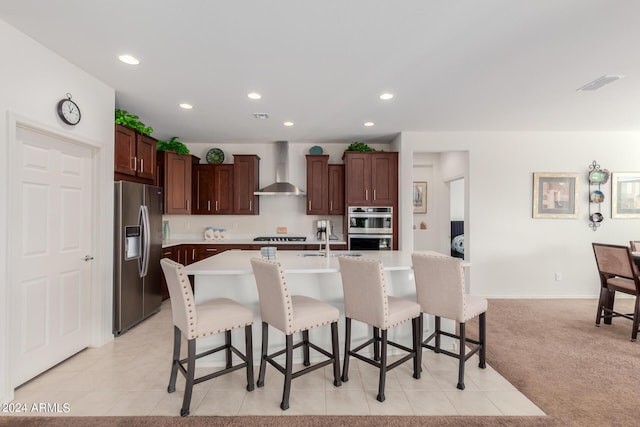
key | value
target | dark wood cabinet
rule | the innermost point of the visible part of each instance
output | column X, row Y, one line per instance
column 371, row 178
column 175, row 170
column 246, row 175
column 171, row 254
column 134, row 156
column 336, row 190
column 317, row 184
column 325, row 186
column 212, row 187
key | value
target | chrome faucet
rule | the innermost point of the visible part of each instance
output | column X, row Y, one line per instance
column 327, row 236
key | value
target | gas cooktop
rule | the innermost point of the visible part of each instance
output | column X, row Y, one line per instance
column 279, row 239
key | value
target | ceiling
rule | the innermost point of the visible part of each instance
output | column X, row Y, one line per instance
column 458, row 65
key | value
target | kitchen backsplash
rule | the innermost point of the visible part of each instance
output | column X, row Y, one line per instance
column 275, row 211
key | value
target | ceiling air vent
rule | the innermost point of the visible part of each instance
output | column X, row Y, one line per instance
column 599, row 82
column 261, row 116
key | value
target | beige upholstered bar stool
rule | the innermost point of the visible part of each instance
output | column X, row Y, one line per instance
column 366, row 300
column 440, row 291
column 292, row 314
column 212, row 317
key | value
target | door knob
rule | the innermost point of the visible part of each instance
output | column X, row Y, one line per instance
column 88, row 258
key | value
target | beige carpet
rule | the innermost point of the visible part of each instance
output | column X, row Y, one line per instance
column 549, row 349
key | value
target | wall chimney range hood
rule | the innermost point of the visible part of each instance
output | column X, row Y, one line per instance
column 281, row 187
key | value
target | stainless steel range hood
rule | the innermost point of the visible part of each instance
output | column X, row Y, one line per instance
column 281, row 187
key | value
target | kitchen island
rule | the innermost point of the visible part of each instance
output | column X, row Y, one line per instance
column 229, row 275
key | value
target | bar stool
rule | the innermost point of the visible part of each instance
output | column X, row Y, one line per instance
column 440, row 291
column 366, row 300
column 291, row 314
column 193, row 322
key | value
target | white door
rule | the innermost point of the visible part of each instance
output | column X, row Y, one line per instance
column 51, row 223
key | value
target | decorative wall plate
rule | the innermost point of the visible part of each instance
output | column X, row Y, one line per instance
column 597, row 196
column 599, row 176
column 215, row 156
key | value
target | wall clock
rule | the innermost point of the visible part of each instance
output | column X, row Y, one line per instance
column 69, row 111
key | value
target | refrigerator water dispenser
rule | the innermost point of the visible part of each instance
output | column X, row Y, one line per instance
column 132, row 243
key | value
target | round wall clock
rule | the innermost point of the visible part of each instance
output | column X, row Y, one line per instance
column 69, row 111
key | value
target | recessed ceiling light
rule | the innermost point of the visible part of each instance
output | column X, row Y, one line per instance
column 288, row 123
column 128, row 59
column 254, row 95
column 368, row 124
column 186, row 106
column 386, row 96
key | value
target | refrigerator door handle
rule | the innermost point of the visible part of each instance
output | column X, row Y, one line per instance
column 146, row 240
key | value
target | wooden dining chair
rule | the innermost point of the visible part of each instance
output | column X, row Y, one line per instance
column 618, row 273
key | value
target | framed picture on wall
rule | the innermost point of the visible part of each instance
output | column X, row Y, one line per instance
column 419, row 197
column 625, row 195
column 555, row 195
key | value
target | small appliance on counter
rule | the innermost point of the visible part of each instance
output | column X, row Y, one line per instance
column 211, row 233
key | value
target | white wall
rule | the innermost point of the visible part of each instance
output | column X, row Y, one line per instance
column 511, row 253
column 33, row 80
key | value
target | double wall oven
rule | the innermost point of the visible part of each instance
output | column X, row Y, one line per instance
column 370, row 227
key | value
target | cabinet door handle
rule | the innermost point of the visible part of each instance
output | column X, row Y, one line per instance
column 309, row 204
column 187, row 203
column 193, row 254
column 331, row 205
column 141, row 165
column 250, row 205
column 374, row 194
column 216, row 206
column 209, row 205
column 179, row 257
column 366, row 194
column 135, row 164
column 211, row 250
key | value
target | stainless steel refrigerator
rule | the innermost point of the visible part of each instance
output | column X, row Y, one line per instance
column 137, row 252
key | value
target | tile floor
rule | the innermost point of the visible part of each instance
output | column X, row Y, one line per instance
column 130, row 375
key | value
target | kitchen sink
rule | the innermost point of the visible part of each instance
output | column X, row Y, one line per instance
column 332, row 253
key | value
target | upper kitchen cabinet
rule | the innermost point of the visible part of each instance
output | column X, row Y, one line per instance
column 134, row 156
column 213, row 189
column 371, row 178
column 175, row 177
column 246, row 175
column 325, row 186
column 336, row 190
column 317, row 184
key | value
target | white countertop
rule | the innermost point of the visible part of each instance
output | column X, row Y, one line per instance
column 238, row 262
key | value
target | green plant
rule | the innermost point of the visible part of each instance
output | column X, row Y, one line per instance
column 359, row 146
column 173, row 145
column 132, row 121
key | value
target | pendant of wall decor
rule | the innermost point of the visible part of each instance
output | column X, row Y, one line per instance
column 597, row 177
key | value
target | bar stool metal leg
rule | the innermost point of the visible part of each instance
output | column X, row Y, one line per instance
column 191, row 370
column 437, row 349
column 263, row 354
column 248, row 346
column 416, row 326
column 177, row 340
column 227, row 343
column 376, row 343
column 483, row 339
column 336, row 354
column 305, row 347
column 347, row 349
column 461, row 357
column 288, row 372
column 383, row 366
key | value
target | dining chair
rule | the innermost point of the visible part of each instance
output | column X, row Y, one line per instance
column 440, row 291
column 618, row 273
column 221, row 315
column 291, row 314
column 366, row 300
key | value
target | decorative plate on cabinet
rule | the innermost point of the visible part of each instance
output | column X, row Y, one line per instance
column 315, row 150
column 215, row 156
